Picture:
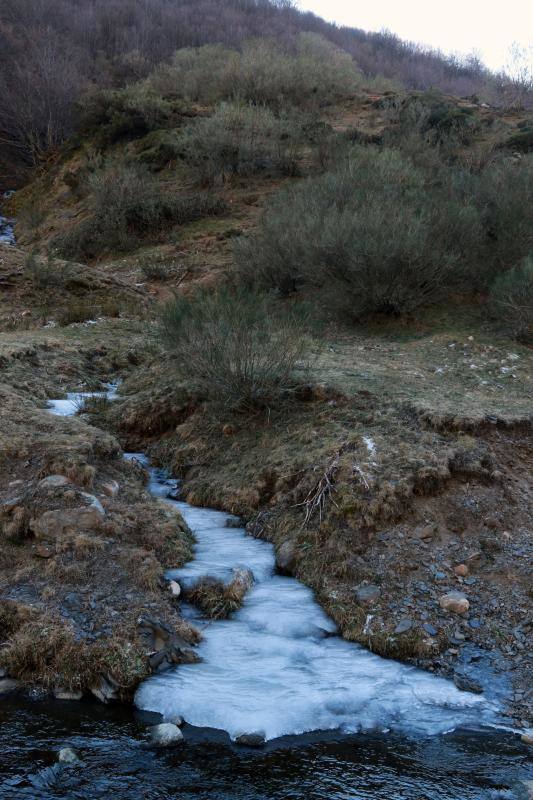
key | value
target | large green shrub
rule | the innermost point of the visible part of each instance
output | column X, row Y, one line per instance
column 314, row 73
column 512, row 299
column 375, row 236
column 236, row 347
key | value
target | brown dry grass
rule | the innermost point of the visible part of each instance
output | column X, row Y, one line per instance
column 216, row 599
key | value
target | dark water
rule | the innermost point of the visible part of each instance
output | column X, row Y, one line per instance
column 116, row 763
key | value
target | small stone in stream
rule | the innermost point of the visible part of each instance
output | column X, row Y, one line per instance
column 234, row 522
column 255, row 739
column 67, row 756
column 461, row 570
column 367, row 594
column 403, row 626
column 175, row 588
column 286, row 558
column 165, row 735
column 527, row 736
column 454, row 601
column 430, row 629
column 466, row 684
column 67, row 694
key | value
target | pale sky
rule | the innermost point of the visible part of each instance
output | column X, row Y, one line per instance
column 487, row 27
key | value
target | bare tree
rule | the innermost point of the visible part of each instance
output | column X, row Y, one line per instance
column 519, row 72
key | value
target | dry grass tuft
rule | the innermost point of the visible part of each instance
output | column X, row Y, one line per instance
column 45, row 651
column 216, row 599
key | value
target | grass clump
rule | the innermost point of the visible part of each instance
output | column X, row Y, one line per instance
column 235, row 346
column 44, row 273
column 512, row 299
column 216, row 599
column 46, row 652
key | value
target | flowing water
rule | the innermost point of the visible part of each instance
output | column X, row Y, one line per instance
column 7, row 231
column 339, row 722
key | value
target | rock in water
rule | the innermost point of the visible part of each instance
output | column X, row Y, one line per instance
column 165, row 735
column 67, row 756
column 286, row 558
column 466, row 684
column 454, row 601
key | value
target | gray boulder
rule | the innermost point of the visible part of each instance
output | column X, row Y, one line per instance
column 165, row 735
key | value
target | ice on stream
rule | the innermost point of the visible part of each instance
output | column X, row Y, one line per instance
column 74, row 401
column 276, row 666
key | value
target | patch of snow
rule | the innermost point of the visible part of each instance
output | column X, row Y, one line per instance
column 370, row 444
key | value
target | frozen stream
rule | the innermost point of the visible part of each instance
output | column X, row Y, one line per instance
column 276, row 667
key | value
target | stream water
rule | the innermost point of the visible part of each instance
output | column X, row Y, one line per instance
column 7, row 230
column 340, row 722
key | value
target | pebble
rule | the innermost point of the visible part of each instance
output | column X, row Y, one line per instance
column 430, row 629
column 461, row 570
column 367, row 594
column 403, row 626
column 454, row 601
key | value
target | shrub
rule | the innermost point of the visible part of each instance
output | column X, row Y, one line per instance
column 128, row 207
column 240, row 139
column 44, row 273
column 375, row 235
column 434, row 116
column 512, row 299
column 503, row 193
column 521, row 140
column 314, row 73
column 128, row 113
column 234, row 346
